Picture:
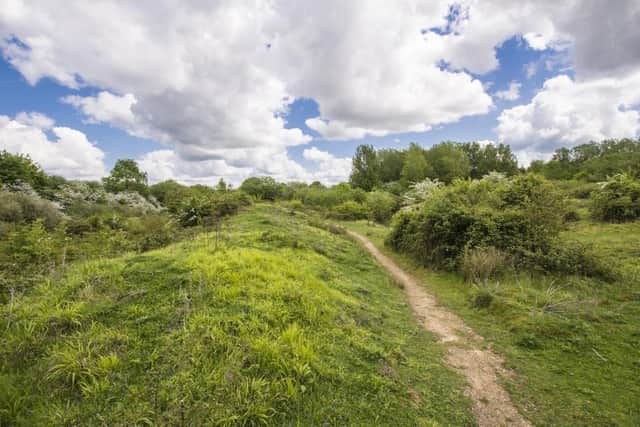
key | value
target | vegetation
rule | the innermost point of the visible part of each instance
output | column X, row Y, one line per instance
column 593, row 162
column 572, row 341
column 617, row 200
column 19, row 169
column 191, row 305
column 126, row 176
column 444, row 162
column 275, row 321
column 522, row 217
column 43, row 230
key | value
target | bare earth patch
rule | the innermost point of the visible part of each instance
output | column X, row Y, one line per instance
column 482, row 368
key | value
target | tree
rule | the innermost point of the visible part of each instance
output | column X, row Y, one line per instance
column 449, row 162
column 126, row 176
column 489, row 158
column 264, row 188
column 507, row 162
column 221, row 186
column 391, row 163
column 365, row 168
column 415, row 167
column 17, row 168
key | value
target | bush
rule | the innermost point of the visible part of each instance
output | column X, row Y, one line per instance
column 381, row 205
column 205, row 210
column 152, row 231
column 568, row 257
column 617, row 200
column 21, row 208
column 350, row 211
column 584, row 190
column 571, row 215
column 516, row 216
column 482, row 264
column 262, row 188
column 29, row 249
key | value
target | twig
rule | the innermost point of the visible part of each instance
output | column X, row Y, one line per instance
column 599, row 355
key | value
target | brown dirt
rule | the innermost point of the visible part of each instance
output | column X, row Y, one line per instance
column 481, row 367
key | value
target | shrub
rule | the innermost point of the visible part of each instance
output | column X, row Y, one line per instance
column 381, row 205
column 204, row 210
column 516, row 216
column 571, row 215
column 350, row 211
column 617, row 200
column 568, row 257
column 152, row 231
column 262, row 188
column 482, row 264
column 482, row 298
column 584, row 190
column 21, row 208
column 29, row 249
column 229, row 202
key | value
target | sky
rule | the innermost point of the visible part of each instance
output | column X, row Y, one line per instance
column 198, row 90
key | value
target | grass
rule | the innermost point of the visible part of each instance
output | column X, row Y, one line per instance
column 276, row 321
column 573, row 342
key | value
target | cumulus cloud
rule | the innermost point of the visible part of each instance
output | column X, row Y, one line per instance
column 161, row 165
column 105, row 108
column 35, row 119
column 236, row 166
column 208, row 79
column 569, row 112
column 331, row 169
column 336, row 130
column 70, row 154
column 510, row 94
column 214, row 81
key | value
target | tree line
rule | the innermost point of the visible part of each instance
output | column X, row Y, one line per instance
column 394, row 170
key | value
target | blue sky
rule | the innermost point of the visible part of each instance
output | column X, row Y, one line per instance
column 45, row 96
column 207, row 101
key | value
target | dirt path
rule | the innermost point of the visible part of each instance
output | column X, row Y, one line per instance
column 491, row 403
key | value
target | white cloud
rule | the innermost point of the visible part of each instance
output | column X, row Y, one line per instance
column 330, row 169
column 336, row 130
column 161, row 165
column 212, row 81
column 568, row 112
column 531, row 69
column 510, row 94
column 235, row 166
column 69, row 155
column 105, row 108
column 204, row 79
column 35, row 119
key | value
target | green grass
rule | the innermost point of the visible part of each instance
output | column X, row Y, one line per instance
column 273, row 322
column 574, row 343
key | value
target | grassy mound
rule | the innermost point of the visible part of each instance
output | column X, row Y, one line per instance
column 273, row 321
